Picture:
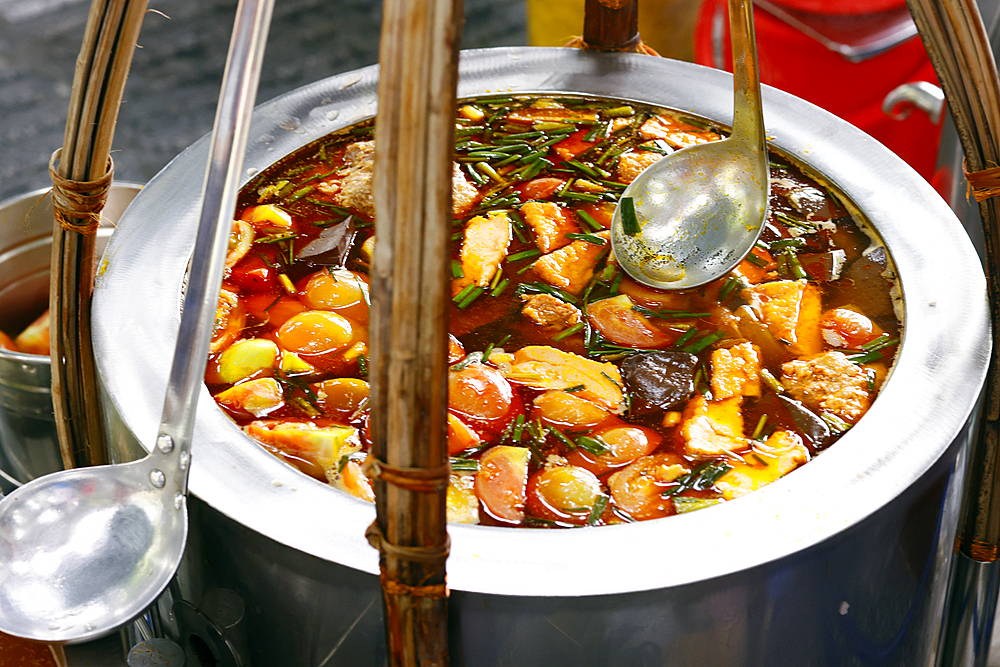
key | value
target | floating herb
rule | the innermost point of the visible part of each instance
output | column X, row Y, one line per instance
column 630, row 223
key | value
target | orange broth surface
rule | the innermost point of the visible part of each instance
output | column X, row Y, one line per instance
column 576, row 395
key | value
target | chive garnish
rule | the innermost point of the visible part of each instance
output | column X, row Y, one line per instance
column 471, row 358
column 703, row 342
column 759, row 460
column 756, row 260
column 594, row 444
column 883, row 341
column 458, row 298
column 363, row 365
column 498, row 290
column 518, row 427
column 760, row 427
column 575, row 388
column 589, row 220
column 865, row 358
column 463, row 465
column 589, row 238
column 630, row 223
column 684, row 505
column 569, row 331
column 533, row 252
column 472, row 296
column 456, row 269
column 600, row 504
column 561, row 437
column 701, row 478
column 686, row 337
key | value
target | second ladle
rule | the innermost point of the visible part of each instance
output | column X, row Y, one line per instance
column 85, row 551
column 692, row 216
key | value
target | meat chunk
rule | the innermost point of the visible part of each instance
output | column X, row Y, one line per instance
column 736, row 371
column 551, row 224
column 356, row 179
column 547, row 311
column 675, row 132
column 791, row 309
column 710, row 428
column 485, row 246
column 829, row 382
column 632, row 163
column 571, row 267
column 464, row 195
column 768, row 461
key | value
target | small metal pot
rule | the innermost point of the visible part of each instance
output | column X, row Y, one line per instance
column 842, row 562
column 29, row 446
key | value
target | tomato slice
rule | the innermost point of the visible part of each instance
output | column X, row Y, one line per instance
column 502, row 481
column 563, row 493
column 626, row 443
column 638, row 488
column 482, row 398
column 540, row 188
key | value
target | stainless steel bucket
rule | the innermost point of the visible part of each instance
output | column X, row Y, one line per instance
column 29, row 446
column 842, row 562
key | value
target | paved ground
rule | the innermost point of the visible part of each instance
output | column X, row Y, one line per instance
column 173, row 87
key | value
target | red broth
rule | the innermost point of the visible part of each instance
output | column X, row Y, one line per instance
column 576, row 395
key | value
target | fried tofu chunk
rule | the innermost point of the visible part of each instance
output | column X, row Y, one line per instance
column 572, row 266
column 791, row 310
column 485, row 247
column 710, row 428
column 461, row 501
column 829, row 382
column 551, row 223
column 547, row 311
column 675, row 132
column 631, row 164
column 736, row 371
column 766, row 462
column 543, row 367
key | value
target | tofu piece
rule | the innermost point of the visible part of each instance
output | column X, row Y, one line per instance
column 709, row 428
column 572, row 266
column 550, row 223
column 791, row 310
column 675, row 132
column 258, row 397
column 632, row 163
column 461, row 501
column 484, row 248
column 464, row 194
column 546, row 368
column 736, row 371
column 356, row 179
column 829, row 382
column 547, row 311
column 556, row 114
column 321, row 446
column 35, row 338
column 782, row 453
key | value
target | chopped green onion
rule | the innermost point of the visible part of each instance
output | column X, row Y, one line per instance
column 472, row 296
column 498, row 290
column 760, row 427
column 561, row 437
column 686, row 337
column 463, row 465
column 771, row 381
column 471, row 358
column 589, row 238
column 456, row 269
column 464, row 293
column 883, row 341
column 630, row 223
column 600, row 504
column 565, row 333
column 594, row 444
column 684, row 505
column 533, row 252
column 518, row 427
column 589, row 220
column 575, row 388
column 703, row 342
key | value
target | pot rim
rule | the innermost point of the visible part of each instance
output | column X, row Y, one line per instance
column 933, row 389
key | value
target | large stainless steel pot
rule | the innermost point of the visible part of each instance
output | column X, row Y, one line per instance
column 842, row 562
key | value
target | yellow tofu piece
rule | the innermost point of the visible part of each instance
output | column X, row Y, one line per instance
column 632, row 164
column 461, row 501
column 710, row 428
column 550, row 224
column 675, row 132
column 485, row 247
column 766, row 462
column 572, row 266
column 546, row 368
column 463, row 193
column 791, row 310
column 736, row 371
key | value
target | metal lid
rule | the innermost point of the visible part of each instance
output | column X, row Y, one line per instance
column 920, row 411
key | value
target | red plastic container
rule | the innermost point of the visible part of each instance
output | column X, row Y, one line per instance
column 799, row 64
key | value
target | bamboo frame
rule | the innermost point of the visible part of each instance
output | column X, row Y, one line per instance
column 408, row 333
column 101, row 70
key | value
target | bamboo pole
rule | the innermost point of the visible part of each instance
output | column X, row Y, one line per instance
column 408, row 334
column 611, row 25
column 956, row 40
column 82, row 172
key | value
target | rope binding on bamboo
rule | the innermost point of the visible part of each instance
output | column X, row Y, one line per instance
column 424, row 554
column 77, row 205
column 421, row 480
column 982, row 184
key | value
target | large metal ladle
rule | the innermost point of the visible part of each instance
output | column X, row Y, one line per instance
column 699, row 211
column 85, row 551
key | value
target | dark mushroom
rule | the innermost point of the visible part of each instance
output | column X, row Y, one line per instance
column 659, row 380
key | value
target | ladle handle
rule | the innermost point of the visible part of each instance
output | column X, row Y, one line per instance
column 748, row 117
column 229, row 139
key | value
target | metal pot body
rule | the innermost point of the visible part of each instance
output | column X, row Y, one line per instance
column 29, row 446
column 843, row 562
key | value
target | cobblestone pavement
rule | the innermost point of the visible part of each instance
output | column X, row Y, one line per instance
column 173, row 87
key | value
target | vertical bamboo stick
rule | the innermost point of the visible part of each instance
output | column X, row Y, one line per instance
column 409, row 277
column 611, row 25
column 82, row 174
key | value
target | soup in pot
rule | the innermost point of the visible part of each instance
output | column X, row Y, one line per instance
column 577, row 396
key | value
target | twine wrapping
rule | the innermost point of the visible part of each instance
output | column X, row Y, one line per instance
column 634, row 46
column 421, row 480
column 77, row 205
column 982, row 184
column 412, row 554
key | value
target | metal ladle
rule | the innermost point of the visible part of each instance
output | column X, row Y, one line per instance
column 85, row 551
column 699, row 211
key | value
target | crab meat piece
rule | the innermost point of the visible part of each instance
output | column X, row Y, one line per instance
column 546, row 310
column 572, row 266
column 546, row 368
column 356, row 180
column 484, row 249
column 551, row 223
column 791, row 310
